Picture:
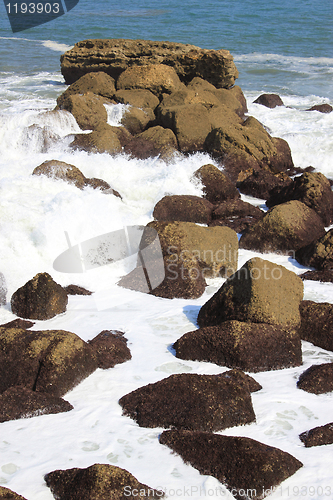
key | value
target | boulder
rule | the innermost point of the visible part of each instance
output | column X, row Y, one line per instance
column 136, row 120
column 251, row 347
column 114, row 56
column 269, row 100
column 76, row 290
column 318, row 254
column 259, row 292
column 324, row 276
column 139, row 98
column 97, row 482
column 98, row 83
column 248, row 468
column 110, row 348
column 322, row 108
column 318, row 436
column 317, row 323
column 311, row 188
column 191, row 401
column 21, row 402
column 102, row 140
column 261, row 182
column 236, row 214
column 7, row 494
column 50, row 361
column 318, row 379
column 184, row 208
column 61, row 170
column 285, row 228
column 18, row 323
column 217, row 187
column 40, row 298
column 157, row 78
column 88, row 109
column 155, row 141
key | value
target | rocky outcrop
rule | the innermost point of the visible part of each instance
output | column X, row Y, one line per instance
column 251, row 347
column 318, row 436
column 190, row 401
column 318, row 254
column 21, row 402
column 248, row 468
column 318, row 379
column 114, row 56
column 7, row 494
column 259, row 292
column 184, row 208
column 260, row 183
column 40, row 298
column 217, row 187
column 110, row 348
column 285, row 228
column 317, row 323
column 236, row 214
column 98, row 482
column 269, row 100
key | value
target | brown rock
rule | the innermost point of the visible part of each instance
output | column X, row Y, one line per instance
column 18, row 323
column 324, row 276
column 236, row 214
column 318, row 436
column 285, row 228
column 110, row 347
column 76, row 290
column 318, row 379
column 190, row 401
column 269, row 100
column 7, row 494
column 87, row 109
column 322, row 108
column 20, row 402
column 139, row 98
column 217, row 187
column 261, row 182
column 102, row 140
column 184, row 208
column 317, row 323
column 157, row 78
column 136, row 120
column 97, row 482
column 155, row 141
column 251, row 347
column 60, row 170
column 247, row 467
column 259, row 292
column 98, row 83
column 318, row 254
column 115, row 55
column 40, row 298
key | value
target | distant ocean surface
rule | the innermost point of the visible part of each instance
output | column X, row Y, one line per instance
column 283, row 47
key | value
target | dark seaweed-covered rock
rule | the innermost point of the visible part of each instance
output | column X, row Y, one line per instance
column 7, row 494
column 317, row 323
column 110, row 348
column 184, row 208
column 20, row 402
column 40, row 298
column 236, row 214
column 318, row 254
column 324, row 276
column 97, row 482
column 269, row 100
column 251, row 347
column 247, row 467
column 318, row 436
column 318, row 379
column 191, row 401
column 18, row 323
column 259, row 292
column 76, row 290
column 217, row 187
column 261, row 182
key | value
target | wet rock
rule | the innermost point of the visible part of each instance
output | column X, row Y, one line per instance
column 269, row 100
column 98, row 482
column 115, row 55
column 40, row 298
column 318, row 254
column 318, row 379
column 76, row 290
column 88, row 109
column 251, row 347
column 56, row 169
column 261, row 182
column 155, row 141
column 318, row 436
column 7, row 494
column 191, row 401
column 236, row 214
column 259, row 292
column 324, row 276
column 110, row 348
column 18, row 323
column 311, row 188
column 139, row 98
column 102, row 140
column 217, row 187
column 98, row 83
column 317, row 323
column 184, row 208
column 50, row 361
column 322, row 108
column 157, row 78
column 284, row 228
column 247, row 467
column 136, row 120
column 20, row 402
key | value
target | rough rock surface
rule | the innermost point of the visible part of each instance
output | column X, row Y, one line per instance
column 217, row 187
column 251, row 347
column 285, row 228
column 88, row 109
column 318, row 379
column 318, row 436
column 110, row 347
column 40, row 298
column 261, row 182
column 116, row 55
column 98, row 83
column 184, row 208
column 136, row 120
column 157, row 78
column 102, row 140
column 240, row 463
column 259, row 292
column 155, row 141
column 76, row 290
column 324, row 276
column 97, row 482
column 311, row 188
column 318, row 254
column 269, row 100
column 191, row 401
column 18, row 323
column 236, row 214
column 50, row 361
column 7, row 494
column 317, row 323
column 139, row 98
column 21, row 402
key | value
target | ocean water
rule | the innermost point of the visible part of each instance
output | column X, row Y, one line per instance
column 281, row 47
